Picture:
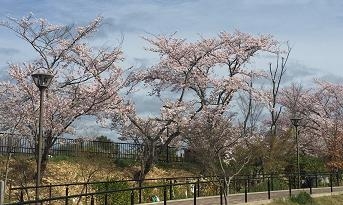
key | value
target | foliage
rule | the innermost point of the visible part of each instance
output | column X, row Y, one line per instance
column 115, row 198
column 303, row 198
column 122, row 163
column 275, row 184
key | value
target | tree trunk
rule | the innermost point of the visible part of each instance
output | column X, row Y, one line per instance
column 148, row 160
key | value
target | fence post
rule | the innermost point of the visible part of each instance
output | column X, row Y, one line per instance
column 289, row 186
column 246, row 192
column 331, row 188
column 132, row 197
column 316, row 180
column 140, row 191
column 67, row 193
column 248, row 183
column 268, row 188
column 165, row 195
column 92, row 200
column 310, row 184
column 21, row 196
column 171, row 190
column 86, row 198
column 221, row 194
column 198, row 188
column 50, row 193
column 106, row 195
column 195, row 194
column 337, row 178
column 10, row 192
column 2, row 192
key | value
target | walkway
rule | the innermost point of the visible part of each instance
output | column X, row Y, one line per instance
column 253, row 198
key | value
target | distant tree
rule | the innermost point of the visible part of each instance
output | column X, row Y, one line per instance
column 321, row 130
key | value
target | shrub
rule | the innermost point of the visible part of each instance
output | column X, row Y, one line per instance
column 302, row 198
column 123, row 163
column 115, row 198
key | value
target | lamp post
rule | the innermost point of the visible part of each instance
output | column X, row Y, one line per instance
column 296, row 122
column 42, row 80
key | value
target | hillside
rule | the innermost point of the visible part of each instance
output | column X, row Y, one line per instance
column 62, row 170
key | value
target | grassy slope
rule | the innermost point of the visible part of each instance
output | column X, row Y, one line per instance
column 67, row 170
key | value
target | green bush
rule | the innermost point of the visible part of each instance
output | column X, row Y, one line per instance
column 115, row 198
column 303, row 198
column 123, row 163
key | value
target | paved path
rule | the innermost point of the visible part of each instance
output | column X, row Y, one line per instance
column 253, row 198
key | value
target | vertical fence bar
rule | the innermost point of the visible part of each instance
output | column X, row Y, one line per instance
column 268, row 188
column 106, row 195
column 21, row 196
column 170, row 189
column 246, row 192
column 331, row 188
column 310, row 184
column 198, row 188
column 316, row 178
column 248, row 183
column 50, row 193
column 10, row 192
column 67, row 193
column 195, row 194
column 92, row 200
column 132, row 197
column 86, row 197
column 289, row 186
column 221, row 194
column 140, row 191
column 337, row 178
column 165, row 195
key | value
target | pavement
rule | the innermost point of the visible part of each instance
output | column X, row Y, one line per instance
column 255, row 198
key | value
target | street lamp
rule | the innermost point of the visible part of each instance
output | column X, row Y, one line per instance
column 296, row 122
column 42, row 80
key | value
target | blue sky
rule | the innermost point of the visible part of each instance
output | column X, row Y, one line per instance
column 313, row 28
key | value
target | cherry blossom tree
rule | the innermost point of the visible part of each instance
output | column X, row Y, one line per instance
column 86, row 80
column 194, row 79
column 321, row 110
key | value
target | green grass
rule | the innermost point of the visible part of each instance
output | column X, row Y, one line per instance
column 325, row 200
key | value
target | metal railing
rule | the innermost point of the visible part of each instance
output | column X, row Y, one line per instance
column 136, row 192
column 80, row 147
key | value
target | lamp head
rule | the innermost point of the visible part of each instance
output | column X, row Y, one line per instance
column 296, row 121
column 42, row 78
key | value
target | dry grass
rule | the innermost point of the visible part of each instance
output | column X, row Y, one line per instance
column 68, row 170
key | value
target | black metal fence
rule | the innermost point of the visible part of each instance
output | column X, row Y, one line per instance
column 80, row 147
column 135, row 192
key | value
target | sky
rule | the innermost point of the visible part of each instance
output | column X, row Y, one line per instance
column 313, row 28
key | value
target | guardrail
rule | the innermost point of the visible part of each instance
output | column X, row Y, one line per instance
column 179, row 187
column 79, row 147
